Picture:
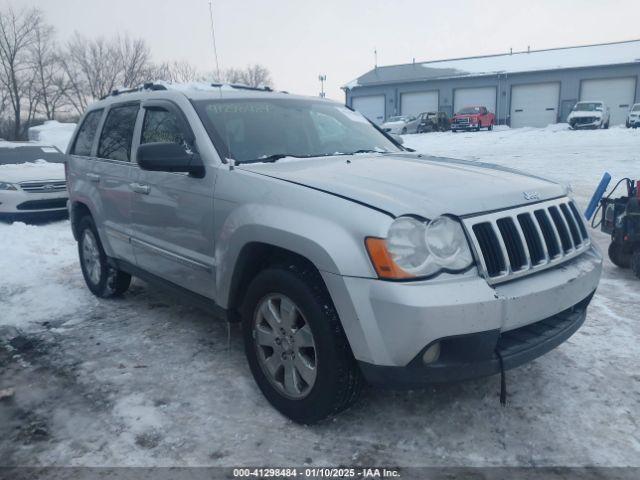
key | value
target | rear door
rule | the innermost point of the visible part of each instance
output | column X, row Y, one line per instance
column 173, row 212
column 112, row 175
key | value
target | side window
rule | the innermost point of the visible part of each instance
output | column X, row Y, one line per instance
column 86, row 134
column 161, row 125
column 117, row 133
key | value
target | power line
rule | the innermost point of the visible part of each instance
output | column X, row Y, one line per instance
column 213, row 39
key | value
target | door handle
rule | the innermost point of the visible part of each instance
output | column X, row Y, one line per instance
column 93, row 177
column 140, row 188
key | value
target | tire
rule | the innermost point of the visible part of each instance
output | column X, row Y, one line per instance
column 330, row 380
column 490, row 127
column 101, row 278
column 618, row 257
column 606, row 125
column 635, row 263
column 404, row 131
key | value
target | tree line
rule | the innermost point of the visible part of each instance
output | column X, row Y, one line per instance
column 41, row 79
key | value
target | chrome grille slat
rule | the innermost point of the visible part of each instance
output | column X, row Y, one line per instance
column 493, row 245
column 44, row 186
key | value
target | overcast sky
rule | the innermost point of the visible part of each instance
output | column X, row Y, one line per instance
column 298, row 39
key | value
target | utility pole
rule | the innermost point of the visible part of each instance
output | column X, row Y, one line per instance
column 213, row 39
column 375, row 58
column 322, row 78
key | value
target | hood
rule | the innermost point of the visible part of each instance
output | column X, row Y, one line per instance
column 466, row 115
column 31, row 171
column 411, row 184
column 585, row 114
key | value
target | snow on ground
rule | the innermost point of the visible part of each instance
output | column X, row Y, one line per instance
column 148, row 380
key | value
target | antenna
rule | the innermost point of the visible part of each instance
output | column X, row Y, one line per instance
column 213, row 39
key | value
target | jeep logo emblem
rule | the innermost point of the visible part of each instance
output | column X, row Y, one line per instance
column 531, row 195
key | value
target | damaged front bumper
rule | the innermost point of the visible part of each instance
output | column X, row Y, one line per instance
column 392, row 325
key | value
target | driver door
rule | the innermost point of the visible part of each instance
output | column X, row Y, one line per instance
column 172, row 216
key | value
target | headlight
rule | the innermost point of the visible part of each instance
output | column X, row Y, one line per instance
column 7, row 186
column 415, row 248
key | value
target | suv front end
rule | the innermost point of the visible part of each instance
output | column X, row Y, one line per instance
column 533, row 274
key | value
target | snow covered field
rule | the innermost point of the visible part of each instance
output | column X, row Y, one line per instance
column 147, row 380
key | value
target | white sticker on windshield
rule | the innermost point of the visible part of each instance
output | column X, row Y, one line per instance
column 49, row 150
column 351, row 115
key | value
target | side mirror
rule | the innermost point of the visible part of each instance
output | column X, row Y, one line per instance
column 397, row 138
column 169, row 157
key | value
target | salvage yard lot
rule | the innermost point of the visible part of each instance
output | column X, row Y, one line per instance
column 147, row 380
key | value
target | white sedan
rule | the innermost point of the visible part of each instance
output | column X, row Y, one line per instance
column 32, row 181
column 401, row 124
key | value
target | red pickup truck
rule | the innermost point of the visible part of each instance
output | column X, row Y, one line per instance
column 473, row 118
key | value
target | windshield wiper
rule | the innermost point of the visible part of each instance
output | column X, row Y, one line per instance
column 363, row 150
column 274, row 158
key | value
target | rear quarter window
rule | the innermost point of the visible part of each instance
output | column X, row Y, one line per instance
column 87, row 133
column 117, row 133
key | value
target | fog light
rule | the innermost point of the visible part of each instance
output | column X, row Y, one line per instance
column 432, row 353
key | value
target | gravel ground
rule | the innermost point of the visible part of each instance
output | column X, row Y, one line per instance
column 146, row 380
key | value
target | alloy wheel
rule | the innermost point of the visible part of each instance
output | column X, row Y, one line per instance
column 285, row 346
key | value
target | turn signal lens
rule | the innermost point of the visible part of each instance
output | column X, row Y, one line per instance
column 382, row 261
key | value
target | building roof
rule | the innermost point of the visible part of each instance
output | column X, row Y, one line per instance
column 517, row 62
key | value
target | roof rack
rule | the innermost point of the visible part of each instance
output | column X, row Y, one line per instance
column 242, row 86
column 145, row 86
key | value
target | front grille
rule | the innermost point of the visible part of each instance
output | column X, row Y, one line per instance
column 524, row 240
column 43, row 204
column 461, row 121
column 584, row 120
column 44, row 187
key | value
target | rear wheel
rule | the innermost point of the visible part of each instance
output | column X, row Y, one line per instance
column 102, row 279
column 635, row 263
column 295, row 345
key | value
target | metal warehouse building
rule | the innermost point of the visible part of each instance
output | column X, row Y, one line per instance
column 532, row 88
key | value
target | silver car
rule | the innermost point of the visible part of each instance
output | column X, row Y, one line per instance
column 32, row 182
column 346, row 258
column 401, row 125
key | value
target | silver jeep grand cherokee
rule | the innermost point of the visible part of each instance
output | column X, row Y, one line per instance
column 345, row 256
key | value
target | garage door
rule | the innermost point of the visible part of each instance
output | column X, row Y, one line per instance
column 534, row 105
column 468, row 97
column 417, row 102
column 617, row 93
column 371, row 106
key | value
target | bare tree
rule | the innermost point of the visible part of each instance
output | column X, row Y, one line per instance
column 133, row 60
column 175, row 72
column 51, row 83
column 16, row 38
column 257, row 76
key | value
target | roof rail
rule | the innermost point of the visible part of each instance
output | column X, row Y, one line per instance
column 241, row 86
column 145, row 86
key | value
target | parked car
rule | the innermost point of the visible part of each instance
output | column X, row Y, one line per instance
column 633, row 118
column 473, row 118
column 433, row 122
column 371, row 264
column 590, row 114
column 32, row 183
column 401, row 125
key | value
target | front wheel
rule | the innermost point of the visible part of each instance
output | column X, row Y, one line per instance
column 404, row 130
column 296, row 348
column 490, row 127
column 102, row 279
column 606, row 125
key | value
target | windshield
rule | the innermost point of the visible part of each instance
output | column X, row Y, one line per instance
column 636, row 108
column 249, row 130
column 587, row 106
column 469, row 111
column 11, row 154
